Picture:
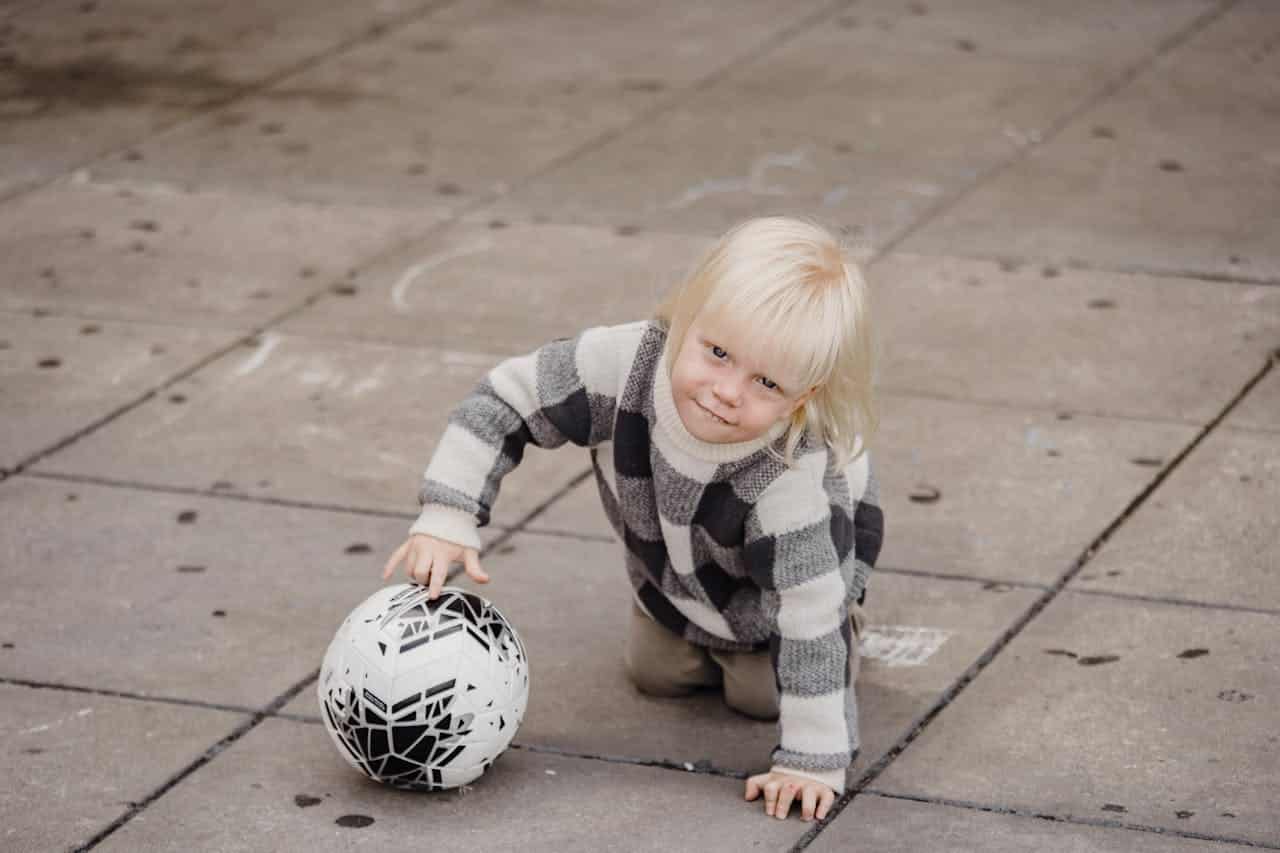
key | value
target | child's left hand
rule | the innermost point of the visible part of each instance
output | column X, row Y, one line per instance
column 780, row 789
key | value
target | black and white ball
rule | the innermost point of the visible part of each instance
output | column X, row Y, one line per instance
column 423, row 694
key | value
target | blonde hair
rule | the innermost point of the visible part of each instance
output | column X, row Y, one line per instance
column 785, row 285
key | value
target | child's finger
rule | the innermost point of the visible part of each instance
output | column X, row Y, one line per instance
column 420, row 568
column 753, row 789
column 390, row 567
column 825, row 802
column 770, row 797
column 808, row 802
column 472, row 562
column 439, row 572
column 785, row 796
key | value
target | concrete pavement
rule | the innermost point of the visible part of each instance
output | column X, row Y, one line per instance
column 250, row 254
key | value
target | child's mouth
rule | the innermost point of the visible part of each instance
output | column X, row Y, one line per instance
column 712, row 414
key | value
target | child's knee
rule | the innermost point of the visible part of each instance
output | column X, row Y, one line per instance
column 660, row 663
column 654, row 680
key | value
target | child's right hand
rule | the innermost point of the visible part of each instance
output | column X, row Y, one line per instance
column 427, row 561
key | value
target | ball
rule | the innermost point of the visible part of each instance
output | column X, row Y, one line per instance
column 423, row 694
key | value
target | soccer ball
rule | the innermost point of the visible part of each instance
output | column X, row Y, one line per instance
column 423, row 694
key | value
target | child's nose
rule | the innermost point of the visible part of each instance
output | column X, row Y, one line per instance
column 729, row 390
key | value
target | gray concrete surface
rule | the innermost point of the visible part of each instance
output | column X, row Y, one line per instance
column 250, row 254
column 1107, row 674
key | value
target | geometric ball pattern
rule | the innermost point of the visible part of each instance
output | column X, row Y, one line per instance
column 423, row 694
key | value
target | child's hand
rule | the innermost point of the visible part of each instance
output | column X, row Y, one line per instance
column 427, row 561
column 781, row 788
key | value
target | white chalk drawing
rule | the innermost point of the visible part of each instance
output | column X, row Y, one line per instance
column 834, row 196
column 83, row 712
column 1022, row 137
column 268, row 343
column 901, row 645
column 154, row 189
column 753, row 183
column 400, row 290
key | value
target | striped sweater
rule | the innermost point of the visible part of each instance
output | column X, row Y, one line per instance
column 725, row 545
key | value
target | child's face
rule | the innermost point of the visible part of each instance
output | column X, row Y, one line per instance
column 722, row 394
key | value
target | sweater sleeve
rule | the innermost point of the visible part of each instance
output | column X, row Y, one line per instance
column 566, row 391
column 803, row 549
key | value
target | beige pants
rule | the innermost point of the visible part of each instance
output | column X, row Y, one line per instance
column 660, row 663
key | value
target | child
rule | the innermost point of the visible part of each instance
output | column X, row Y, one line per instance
column 726, row 436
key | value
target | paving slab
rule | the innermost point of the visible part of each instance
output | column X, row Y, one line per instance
column 74, row 762
column 1208, row 534
column 86, row 78
column 1040, row 31
column 340, row 424
column 284, row 787
column 455, row 107
column 503, row 288
column 60, row 374
column 171, row 254
column 180, row 596
column 889, row 825
column 1163, row 175
column 1156, row 715
column 987, row 491
column 1261, row 408
column 1078, row 340
column 581, row 701
column 578, row 514
column 862, row 122
column 1003, row 493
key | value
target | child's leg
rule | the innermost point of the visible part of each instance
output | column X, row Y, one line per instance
column 661, row 664
column 749, row 684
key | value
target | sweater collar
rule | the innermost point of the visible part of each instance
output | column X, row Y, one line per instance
column 664, row 407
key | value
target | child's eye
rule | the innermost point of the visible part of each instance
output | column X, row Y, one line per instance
column 768, row 383
column 718, row 352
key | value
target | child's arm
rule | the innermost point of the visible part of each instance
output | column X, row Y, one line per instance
column 566, row 391
column 811, row 540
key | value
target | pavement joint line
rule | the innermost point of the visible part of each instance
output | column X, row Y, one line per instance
column 1085, row 265
column 1101, row 823
column 1100, row 593
column 762, row 48
column 246, row 90
column 249, row 338
column 1031, row 407
column 222, row 494
column 570, row 534
column 1175, row 602
column 701, row 766
column 126, row 694
column 94, row 425
column 960, row 578
column 507, row 530
column 138, row 806
column 519, row 526
column 148, row 395
column 71, row 312
column 984, row 660
column 1116, row 84
column 1253, row 430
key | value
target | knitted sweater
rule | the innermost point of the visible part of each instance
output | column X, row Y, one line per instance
column 725, row 544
